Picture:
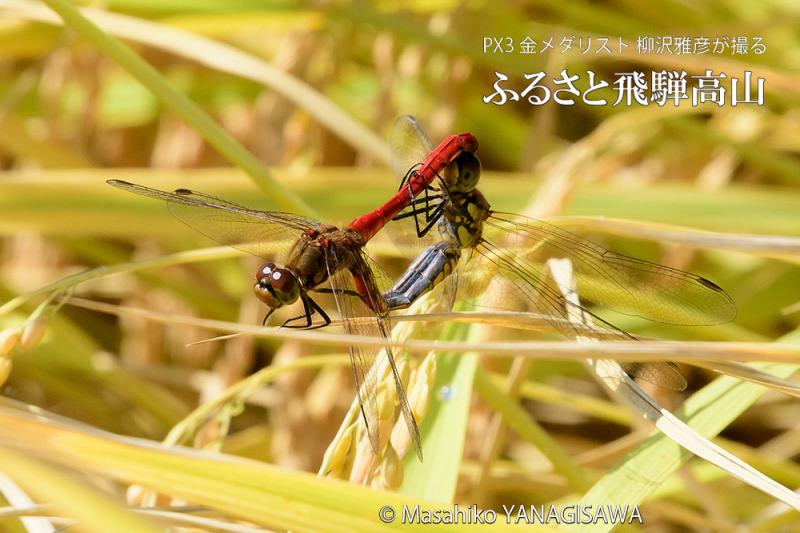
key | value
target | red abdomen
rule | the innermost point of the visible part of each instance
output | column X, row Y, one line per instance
column 441, row 156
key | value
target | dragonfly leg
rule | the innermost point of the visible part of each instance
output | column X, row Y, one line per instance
column 427, row 201
column 326, row 320
column 405, row 183
column 432, row 216
column 266, row 317
column 415, row 211
column 308, row 312
column 427, row 198
column 347, row 292
column 409, row 173
column 431, row 220
column 309, row 307
column 433, row 265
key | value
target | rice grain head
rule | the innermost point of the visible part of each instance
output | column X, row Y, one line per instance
column 5, row 369
column 391, row 473
column 32, row 333
column 9, row 339
column 395, row 438
column 339, row 453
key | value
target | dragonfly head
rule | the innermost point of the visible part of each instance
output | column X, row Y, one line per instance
column 276, row 286
column 467, row 169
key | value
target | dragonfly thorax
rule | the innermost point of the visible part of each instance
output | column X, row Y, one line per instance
column 276, row 286
column 464, row 216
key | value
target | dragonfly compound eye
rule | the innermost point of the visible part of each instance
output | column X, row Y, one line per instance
column 469, row 171
column 284, row 282
column 265, row 270
column 275, row 286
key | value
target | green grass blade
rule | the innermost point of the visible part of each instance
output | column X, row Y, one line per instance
column 708, row 412
column 224, row 58
column 201, row 122
column 261, row 493
column 94, row 511
column 445, row 425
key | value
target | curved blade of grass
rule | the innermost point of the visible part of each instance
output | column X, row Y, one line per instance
column 201, row 122
column 74, row 200
column 677, row 351
column 781, row 166
column 707, row 412
column 752, row 374
column 63, row 284
column 580, row 403
column 261, row 493
column 92, row 509
column 445, row 425
column 225, row 58
column 16, row 498
column 678, row 433
column 770, row 245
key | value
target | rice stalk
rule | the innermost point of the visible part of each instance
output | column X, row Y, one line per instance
column 386, row 470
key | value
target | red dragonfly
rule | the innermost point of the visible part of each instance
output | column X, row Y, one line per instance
column 510, row 253
column 302, row 254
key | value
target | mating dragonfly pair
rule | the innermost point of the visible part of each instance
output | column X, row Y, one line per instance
column 438, row 190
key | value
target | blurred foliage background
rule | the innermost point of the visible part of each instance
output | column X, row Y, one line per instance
column 71, row 117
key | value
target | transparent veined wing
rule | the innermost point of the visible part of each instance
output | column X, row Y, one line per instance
column 409, row 143
column 507, row 281
column 359, row 280
column 618, row 282
column 267, row 234
column 511, row 264
column 410, row 147
column 383, row 282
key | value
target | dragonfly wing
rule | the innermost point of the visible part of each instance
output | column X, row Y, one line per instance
column 410, row 147
column 619, row 282
column 261, row 233
column 516, row 284
column 372, row 294
column 505, row 280
column 359, row 279
column 449, row 290
column 362, row 358
column 382, row 280
column 662, row 373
